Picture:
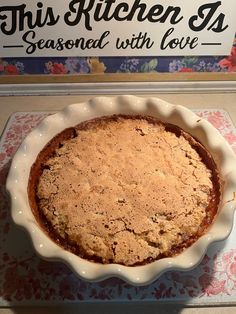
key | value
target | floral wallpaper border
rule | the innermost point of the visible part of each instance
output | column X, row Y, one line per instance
column 100, row 65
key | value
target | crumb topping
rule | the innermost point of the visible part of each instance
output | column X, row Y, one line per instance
column 126, row 190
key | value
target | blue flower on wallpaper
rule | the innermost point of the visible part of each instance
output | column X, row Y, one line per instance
column 77, row 65
column 175, row 66
column 204, row 66
column 196, row 64
column 20, row 67
column 129, row 65
column 139, row 65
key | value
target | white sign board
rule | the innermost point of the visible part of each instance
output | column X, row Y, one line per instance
column 116, row 27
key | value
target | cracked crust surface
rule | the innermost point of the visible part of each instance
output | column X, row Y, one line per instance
column 125, row 190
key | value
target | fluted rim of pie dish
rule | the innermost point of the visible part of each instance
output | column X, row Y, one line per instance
column 72, row 115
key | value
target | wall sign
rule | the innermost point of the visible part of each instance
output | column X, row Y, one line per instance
column 116, row 27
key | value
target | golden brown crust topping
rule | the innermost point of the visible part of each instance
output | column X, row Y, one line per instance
column 126, row 190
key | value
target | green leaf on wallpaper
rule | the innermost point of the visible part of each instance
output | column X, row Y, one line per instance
column 153, row 63
column 188, row 61
column 149, row 66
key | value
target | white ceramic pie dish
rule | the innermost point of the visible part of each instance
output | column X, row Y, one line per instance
column 72, row 115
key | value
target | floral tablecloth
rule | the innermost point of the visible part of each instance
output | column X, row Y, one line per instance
column 25, row 279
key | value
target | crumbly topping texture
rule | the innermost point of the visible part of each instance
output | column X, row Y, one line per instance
column 125, row 190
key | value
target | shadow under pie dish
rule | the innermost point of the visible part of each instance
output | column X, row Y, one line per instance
column 126, row 186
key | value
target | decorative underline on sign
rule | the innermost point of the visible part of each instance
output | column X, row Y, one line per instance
column 13, row 46
column 211, row 44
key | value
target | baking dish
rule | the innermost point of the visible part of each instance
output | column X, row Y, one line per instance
column 72, row 115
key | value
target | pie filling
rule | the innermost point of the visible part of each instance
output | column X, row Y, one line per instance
column 124, row 189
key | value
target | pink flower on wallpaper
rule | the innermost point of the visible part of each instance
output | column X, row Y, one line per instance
column 56, row 68
column 229, row 63
column 111, row 282
column 228, row 256
column 215, row 118
column 2, row 156
column 229, row 265
column 59, row 68
column 232, row 271
column 68, row 288
column 52, row 269
column 216, row 287
column 205, row 260
column 10, row 150
column 185, row 280
column 11, row 282
column 230, row 137
column 11, row 69
column 210, row 285
column 10, row 136
column 185, row 70
column 19, row 283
